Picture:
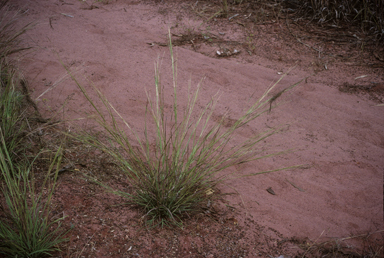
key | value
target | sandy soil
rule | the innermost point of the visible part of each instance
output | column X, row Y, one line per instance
column 334, row 124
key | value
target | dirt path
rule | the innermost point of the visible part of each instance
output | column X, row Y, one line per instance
column 337, row 135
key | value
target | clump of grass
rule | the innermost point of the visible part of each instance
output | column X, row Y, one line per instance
column 26, row 231
column 11, row 117
column 11, row 99
column 174, row 176
column 26, row 228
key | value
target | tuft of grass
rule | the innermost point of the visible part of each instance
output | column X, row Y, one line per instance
column 11, row 99
column 26, row 230
column 26, row 226
column 172, row 176
column 12, row 120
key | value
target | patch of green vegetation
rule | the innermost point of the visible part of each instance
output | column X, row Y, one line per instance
column 26, row 226
column 28, row 230
column 174, row 176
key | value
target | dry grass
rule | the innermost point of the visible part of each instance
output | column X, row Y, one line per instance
column 367, row 15
column 370, row 245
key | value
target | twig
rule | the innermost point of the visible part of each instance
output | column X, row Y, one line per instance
column 298, row 188
column 309, row 248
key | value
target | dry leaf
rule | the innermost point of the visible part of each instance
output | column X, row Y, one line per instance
column 269, row 190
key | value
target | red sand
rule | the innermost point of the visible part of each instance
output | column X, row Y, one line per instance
column 338, row 135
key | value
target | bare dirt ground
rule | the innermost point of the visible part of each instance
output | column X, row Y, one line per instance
column 334, row 124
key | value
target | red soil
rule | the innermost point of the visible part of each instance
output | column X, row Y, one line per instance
column 335, row 125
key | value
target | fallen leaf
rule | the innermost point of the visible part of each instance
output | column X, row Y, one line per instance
column 269, row 190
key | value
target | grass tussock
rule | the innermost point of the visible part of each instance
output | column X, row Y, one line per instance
column 174, row 174
column 27, row 230
column 11, row 116
column 26, row 226
column 11, row 99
